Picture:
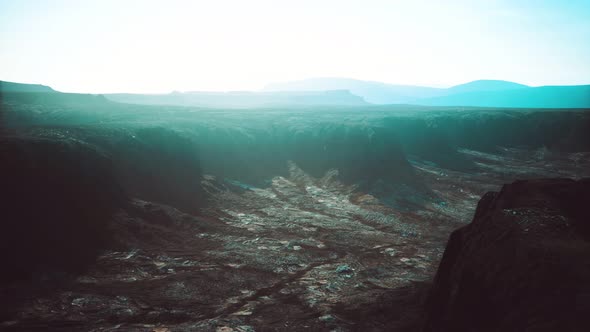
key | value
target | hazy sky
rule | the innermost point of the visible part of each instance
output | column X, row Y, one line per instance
column 159, row 46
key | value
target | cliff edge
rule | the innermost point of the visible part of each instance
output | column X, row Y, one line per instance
column 522, row 264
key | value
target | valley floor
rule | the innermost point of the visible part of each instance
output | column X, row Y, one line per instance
column 301, row 254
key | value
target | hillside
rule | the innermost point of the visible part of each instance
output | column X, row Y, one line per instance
column 539, row 97
column 22, row 87
column 485, row 85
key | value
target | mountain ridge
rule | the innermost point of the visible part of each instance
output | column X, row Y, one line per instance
column 244, row 99
column 6, row 86
column 486, row 85
column 577, row 96
column 352, row 92
column 480, row 93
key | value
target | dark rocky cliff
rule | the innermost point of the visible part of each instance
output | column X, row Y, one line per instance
column 58, row 196
column 523, row 263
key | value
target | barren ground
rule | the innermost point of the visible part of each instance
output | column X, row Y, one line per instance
column 301, row 254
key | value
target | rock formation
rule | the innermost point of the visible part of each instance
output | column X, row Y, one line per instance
column 522, row 264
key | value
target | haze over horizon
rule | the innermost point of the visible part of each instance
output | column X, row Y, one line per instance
column 158, row 47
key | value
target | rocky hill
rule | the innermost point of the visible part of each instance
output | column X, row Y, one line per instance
column 522, row 264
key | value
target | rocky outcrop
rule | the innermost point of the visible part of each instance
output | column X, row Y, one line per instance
column 523, row 264
column 61, row 187
column 58, row 196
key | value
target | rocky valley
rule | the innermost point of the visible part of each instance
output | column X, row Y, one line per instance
column 321, row 218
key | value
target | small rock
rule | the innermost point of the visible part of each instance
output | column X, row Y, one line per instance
column 389, row 251
column 245, row 328
column 243, row 313
column 224, row 329
column 79, row 301
column 344, row 269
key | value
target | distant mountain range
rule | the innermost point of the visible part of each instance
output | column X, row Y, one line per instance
column 351, row 92
column 372, row 92
column 483, row 93
column 243, row 99
column 236, row 99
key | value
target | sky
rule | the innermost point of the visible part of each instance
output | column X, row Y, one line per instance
column 219, row 45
